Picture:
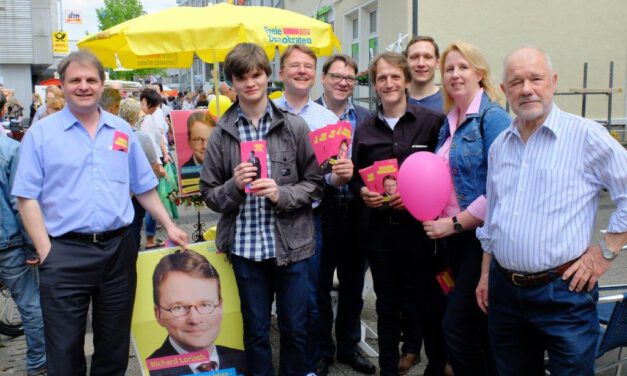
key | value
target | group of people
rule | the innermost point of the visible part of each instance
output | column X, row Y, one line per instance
column 514, row 236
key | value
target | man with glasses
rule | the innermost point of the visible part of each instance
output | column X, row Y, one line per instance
column 341, row 248
column 188, row 304
column 199, row 128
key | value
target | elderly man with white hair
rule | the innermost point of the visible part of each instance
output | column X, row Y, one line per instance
column 540, row 268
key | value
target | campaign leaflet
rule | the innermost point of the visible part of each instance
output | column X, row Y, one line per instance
column 338, row 143
column 386, row 177
column 318, row 140
column 368, row 176
column 254, row 152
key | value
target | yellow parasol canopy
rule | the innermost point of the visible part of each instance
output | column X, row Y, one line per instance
column 169, row 39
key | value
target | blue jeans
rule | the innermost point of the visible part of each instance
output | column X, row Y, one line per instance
column 257, row 282
column 525, row 321
column 151, row 225
column 22, row 282
column 465, row 325
column 313, row 313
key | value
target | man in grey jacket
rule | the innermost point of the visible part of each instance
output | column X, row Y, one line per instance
column 268, row 233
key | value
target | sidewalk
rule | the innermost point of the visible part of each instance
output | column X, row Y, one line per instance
column 12, row 351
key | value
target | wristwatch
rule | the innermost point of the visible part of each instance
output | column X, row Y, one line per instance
column 607, row 253
column 457, row 226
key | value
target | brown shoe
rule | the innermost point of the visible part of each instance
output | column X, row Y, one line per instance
column 407, row 362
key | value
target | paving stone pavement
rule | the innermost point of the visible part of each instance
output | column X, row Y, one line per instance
column 13, row 351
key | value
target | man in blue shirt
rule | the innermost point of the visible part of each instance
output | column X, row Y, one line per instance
column 77, row 170
column 540, row 267
column 423, row 56
column 341, row 249
column 15, row 273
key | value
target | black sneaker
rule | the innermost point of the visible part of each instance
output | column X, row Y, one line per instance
column 359, row 363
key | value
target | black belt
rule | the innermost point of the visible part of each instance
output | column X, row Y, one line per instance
column 96, row 237
column 535, row 279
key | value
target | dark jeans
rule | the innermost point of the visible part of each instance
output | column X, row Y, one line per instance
column 138, row 221
column 465, row 325
column 313, row 313
column 398, row 247
column 257, row 283
column 526, row 321
column 74, row 274
column 343, row 251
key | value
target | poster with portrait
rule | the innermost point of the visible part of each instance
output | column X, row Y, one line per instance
column 192, row 129
column 187, row 316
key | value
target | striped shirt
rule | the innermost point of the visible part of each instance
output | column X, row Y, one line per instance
column 316, row 116
column 255, row 222
column 543, row 195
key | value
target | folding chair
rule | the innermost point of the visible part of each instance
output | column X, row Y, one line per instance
column 612, row 310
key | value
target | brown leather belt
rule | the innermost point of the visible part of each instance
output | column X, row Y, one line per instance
column 535, row 279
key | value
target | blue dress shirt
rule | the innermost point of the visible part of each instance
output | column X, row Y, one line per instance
column 543, row 194
column 82, row 184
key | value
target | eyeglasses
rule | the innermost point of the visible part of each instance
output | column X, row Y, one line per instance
column 337, row 78
column 199, row 140
column 204, row 308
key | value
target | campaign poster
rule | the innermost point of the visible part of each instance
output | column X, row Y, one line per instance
column 255, row 153
column 192, row 129
column 187, row 316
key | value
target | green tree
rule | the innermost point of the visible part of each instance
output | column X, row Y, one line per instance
column 115, row 12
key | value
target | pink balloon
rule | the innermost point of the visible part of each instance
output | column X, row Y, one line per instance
column 424, row 183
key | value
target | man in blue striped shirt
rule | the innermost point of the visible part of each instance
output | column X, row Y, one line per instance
column 540, row 269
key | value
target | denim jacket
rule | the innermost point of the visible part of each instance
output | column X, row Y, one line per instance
column 468, row 157
column 11, row 231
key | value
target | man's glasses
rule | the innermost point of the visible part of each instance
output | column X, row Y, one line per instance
column 204, row 308
column 336, row 78
column 199, row 140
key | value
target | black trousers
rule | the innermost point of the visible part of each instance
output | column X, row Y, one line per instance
column 75, row 274
column 400, row 254
column 341, row 250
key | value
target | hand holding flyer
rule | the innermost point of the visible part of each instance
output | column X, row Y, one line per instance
column 254, row 152
column 381, row 177
column 331, row 143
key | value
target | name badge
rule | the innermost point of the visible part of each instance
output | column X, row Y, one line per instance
column 120, row 142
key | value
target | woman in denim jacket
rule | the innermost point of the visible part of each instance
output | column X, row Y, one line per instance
column 474, row 120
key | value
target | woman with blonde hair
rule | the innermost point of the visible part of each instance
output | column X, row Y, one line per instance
column 35, row 105
column 474, row 120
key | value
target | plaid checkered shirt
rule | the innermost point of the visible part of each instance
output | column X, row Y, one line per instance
column 254, row 226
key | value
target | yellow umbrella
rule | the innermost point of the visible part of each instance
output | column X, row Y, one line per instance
column 169, row 39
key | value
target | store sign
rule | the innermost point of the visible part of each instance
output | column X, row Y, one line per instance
column 60, row 43
column 72, row 16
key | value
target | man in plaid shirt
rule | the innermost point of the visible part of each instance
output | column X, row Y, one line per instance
column 269, row 233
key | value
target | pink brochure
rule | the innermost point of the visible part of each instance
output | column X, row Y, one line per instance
column 254, row 152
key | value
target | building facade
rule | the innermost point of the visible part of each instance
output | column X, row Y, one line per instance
column 26, row 27
column 572, row 32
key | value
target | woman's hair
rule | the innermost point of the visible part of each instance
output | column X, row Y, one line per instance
column 56, row 103
column 129, row 110
column 477, row 61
